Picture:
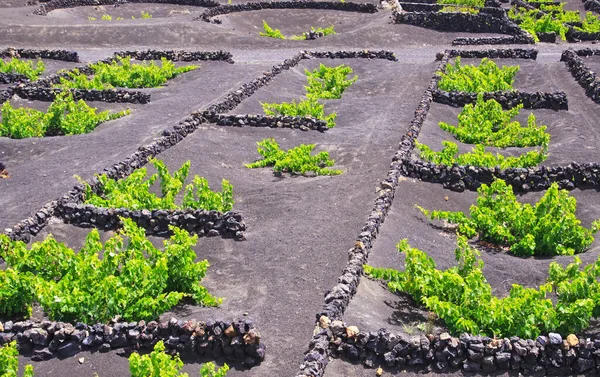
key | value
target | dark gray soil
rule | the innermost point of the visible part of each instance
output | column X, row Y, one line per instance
column 299, row 228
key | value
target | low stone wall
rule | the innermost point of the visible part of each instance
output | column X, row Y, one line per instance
column 338, row 298
column 59, row 4
column 459, row 178
column 592, row 5
column 458, row 22
column 536, row 100
column 492, row 53
column 10, row 78
column 5, row 95
column 272, row 121
column 67, row 56
column 36, row 93
column 156, row 222
column 178, row 55
column 237, row 340
column 347, row 6
column 547, row 355
column 515, row 39
column 578, row 36
column 582, row 74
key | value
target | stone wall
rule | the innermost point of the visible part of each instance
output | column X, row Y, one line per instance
column 583, row 74
column 546, row 355
column 36, row 93
column 235, row 340
column 272, row 121
column 156, row 222
column 67, row 56
column 458, row 22
column 59, row 4
column 347, row 6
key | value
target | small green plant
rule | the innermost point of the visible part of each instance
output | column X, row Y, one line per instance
column 463, row 299
column 160, row 364
column 276, row 33
column 478, row 156
column 590, row 24
column 106, row 17
column 77, row 80
column 270, row 32
column 305, row 108
column 487, row 77
column 65, row 116
column 124, row 74
column 488, row 124
column 146, row 15
column 328, row 82
column 135, row 280
column 459, row 9
column 534, row 22
column 134, row 191
column 550, row 227
column 23, row 67
column 92, row 18
column 468, row 3
column 296, row 160
column 9, row 361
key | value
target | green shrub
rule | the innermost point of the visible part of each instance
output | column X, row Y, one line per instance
column 328, row 82
column 123, row 73
column 16, row 293
column 488, row 124
column 9, row 361
column 160, row 364
column 487, row 77
column 146, row 15
column 534, row 22
column 590, row 24
column 468, row 3
column 459, row 9
column 133, row 192
column 78, row 80
column 550, row 227
column 305, row 108
column 65, row 116
column 270, row 32
column 135, row 281
column 23, row 67
column 462, row 297
column 296, row 160
column 478, row 156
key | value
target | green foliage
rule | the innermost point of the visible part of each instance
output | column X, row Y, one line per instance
column 270, row 32
column 590, row 24
column 488, row 124
column 135, row 281
column 534, row 21
column 468, row 3
column 106, row 17
column 23, row 67
column 78, row 80
column 276, row 33
column 9, row 361
column 459, row 9
column 124, row 74
column 134, row 192
column 548, row 228
column 160, row 364
column 305, row 108
column 296, row 160
column 462, row 297
column 487, row 77
column 65, row 116
column 328, row 82
column 146, row 15
column 478, row 156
